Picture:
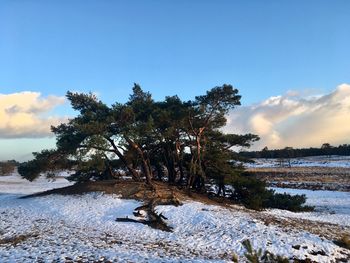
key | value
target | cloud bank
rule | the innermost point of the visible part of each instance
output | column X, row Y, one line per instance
column 280, row 121
column 291, row 120
column 27, row 115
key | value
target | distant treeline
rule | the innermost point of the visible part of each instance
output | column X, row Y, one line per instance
column 289, row 152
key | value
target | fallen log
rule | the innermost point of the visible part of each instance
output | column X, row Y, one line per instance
column 153, row 219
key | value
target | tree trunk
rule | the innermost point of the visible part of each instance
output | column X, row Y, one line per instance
column 221, row 185
column 191, row 175
column 196, row 172
column 179, row 156
column 182, row 174
column 159, row 171
column 169, row 164
column 146, row 171
column 145, row 166
column 134, row 174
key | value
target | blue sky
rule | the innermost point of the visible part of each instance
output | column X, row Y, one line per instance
column 264, row 48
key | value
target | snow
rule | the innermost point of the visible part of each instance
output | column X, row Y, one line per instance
column 83, row 227
column 330, row 206
column 14, row 184
column 313, row 161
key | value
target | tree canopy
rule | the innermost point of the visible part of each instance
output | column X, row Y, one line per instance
column 174, row 141
column 177, row 141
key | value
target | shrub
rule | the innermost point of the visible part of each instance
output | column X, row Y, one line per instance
column 288, row 202
column 254, row 256
column 253, row 194
column 29, row 170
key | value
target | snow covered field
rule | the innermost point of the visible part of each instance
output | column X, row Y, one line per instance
column 313, row 161
column 314, row 173
column 83, row 229
column 14, row 184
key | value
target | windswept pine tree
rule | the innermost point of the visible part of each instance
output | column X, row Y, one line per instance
column 175, row 141
column 143, row 137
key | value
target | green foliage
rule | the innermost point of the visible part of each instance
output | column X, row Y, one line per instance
column 220, row 99
column 30, row 170
column 253, row 194
column 183, row 138
column 251, row 255
column 258, row 256
column 48, row 161
column 289, row 202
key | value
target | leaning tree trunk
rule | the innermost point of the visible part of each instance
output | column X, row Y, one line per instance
column 197, row 175
column 144, row 162
column 134, row 174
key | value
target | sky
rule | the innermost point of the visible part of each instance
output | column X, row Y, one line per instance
column 290, row 60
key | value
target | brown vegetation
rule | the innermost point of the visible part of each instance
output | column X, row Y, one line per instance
column 6, row 168
column 327, row 178
column 16, row 239
column 344, row 241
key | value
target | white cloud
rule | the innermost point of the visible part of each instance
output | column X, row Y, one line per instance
column 290, row 120
column 25, row 115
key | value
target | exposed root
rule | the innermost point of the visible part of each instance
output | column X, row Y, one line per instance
column 150, row 217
